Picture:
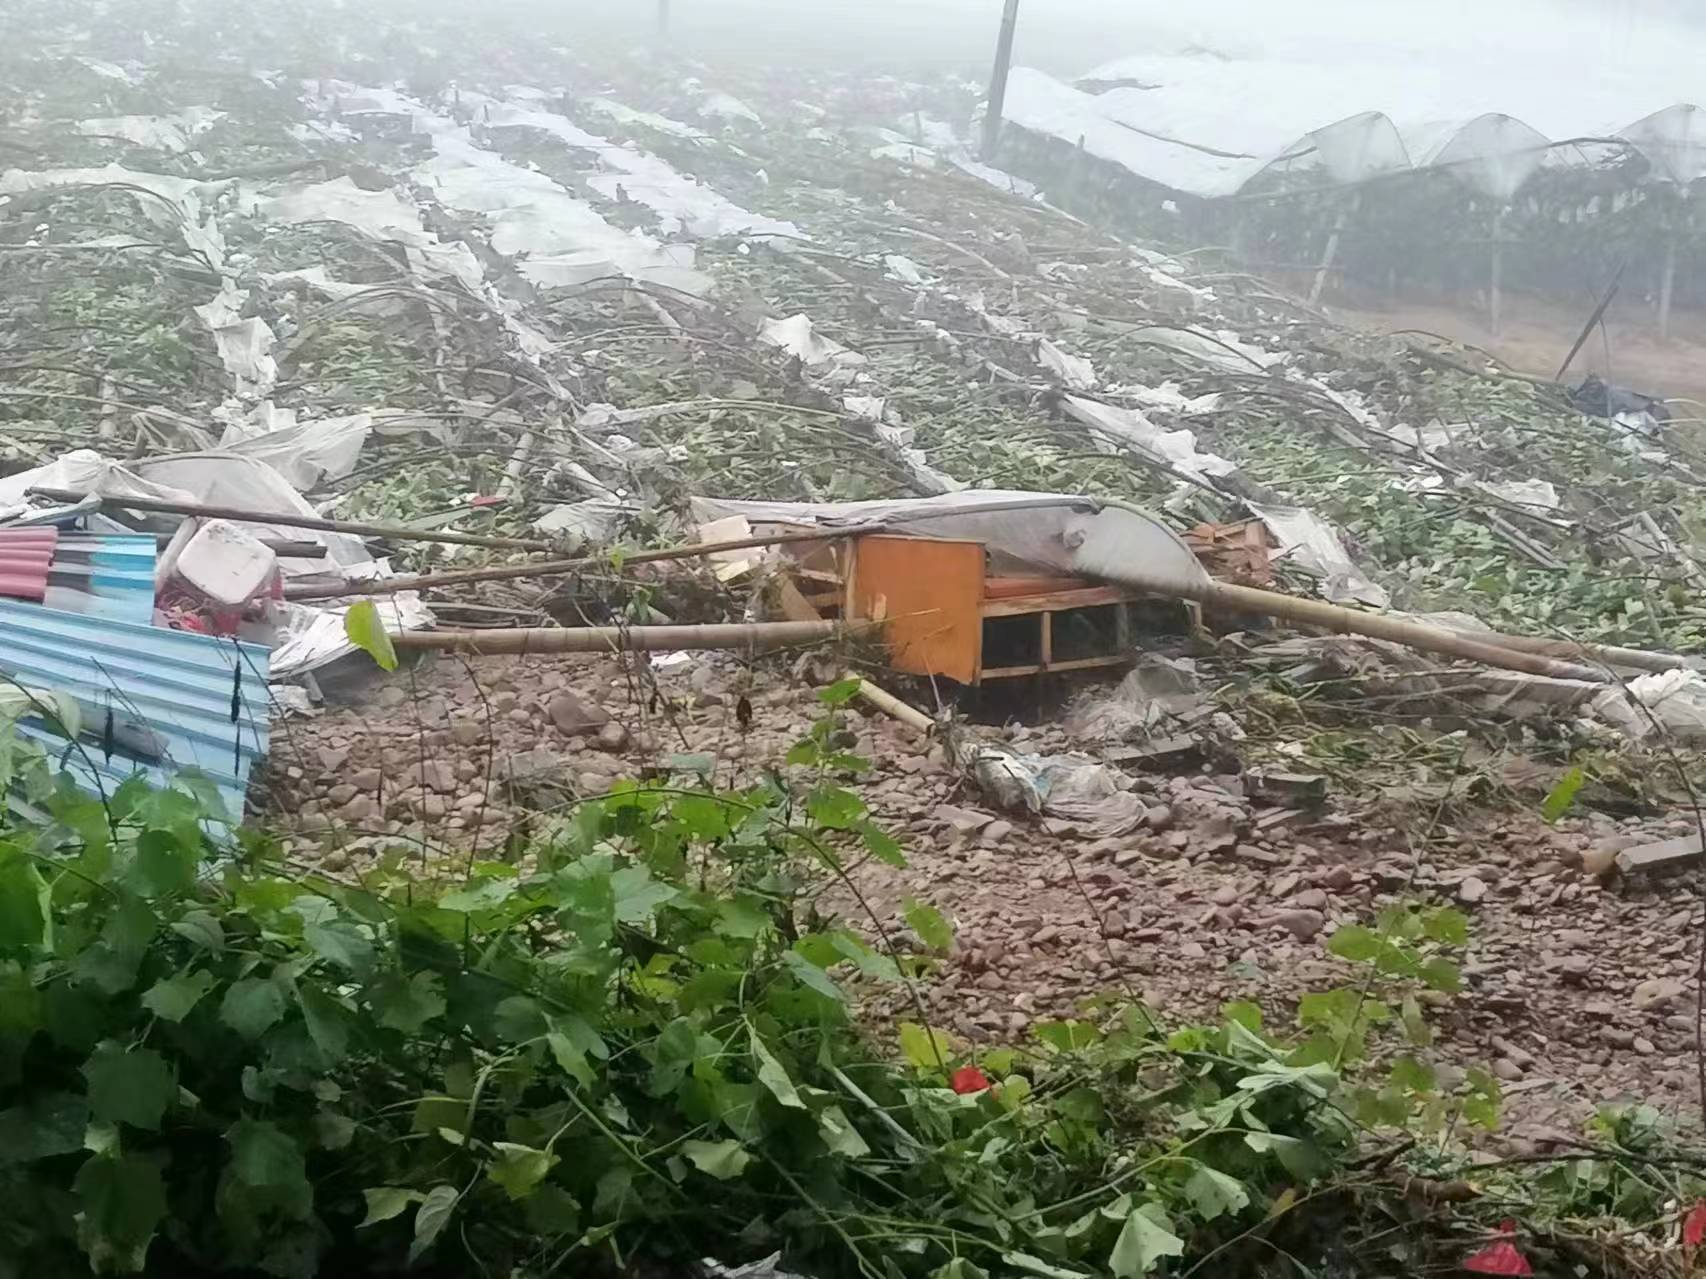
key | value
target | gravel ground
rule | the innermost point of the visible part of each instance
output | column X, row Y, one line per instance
column 1578, row 992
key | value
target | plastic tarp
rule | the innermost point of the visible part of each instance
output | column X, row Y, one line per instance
column 1112, row 426
column 1206, row 124
column 1079, row 536
column 305, row 453
column 681, row 204
column 1308, row 540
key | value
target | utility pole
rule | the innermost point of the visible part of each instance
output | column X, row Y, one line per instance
column 998, row 80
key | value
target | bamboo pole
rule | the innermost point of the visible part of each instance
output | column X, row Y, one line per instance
column 892, row 706
column 285, row 520
column 1638, row 659
column 548, row 568
column 744, row 636
column 1344, row 621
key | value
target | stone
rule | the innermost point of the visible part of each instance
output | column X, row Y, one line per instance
column 333, row 758
column 433, row 774
column 341, row 794
column 996, row 831
column 1515, row 1052
column 964, row 821
column 1158, row 817
column 1507, row 1070
column 1665, row 857
column 1645, row 1047
column 392, row 696
column 1658, row 993
column 1310, row 899
column 465, row 731
column 612, row 738
column 574, row 716
column 361, row 808
column 1301, row 924
column 1471, row 890
column 367, row 779
column 536, row 765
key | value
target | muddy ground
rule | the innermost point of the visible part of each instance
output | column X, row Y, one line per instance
column 1577, row 993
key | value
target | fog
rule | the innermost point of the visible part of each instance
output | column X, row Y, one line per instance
column 1070, row 36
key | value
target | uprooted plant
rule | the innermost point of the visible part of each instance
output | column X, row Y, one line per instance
column 634, row 1042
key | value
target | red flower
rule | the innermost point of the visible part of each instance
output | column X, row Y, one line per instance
column 1499, row 1257
column 1694, row 1225
column 969, row 1079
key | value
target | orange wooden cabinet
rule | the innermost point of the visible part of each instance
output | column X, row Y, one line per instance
column 943, row 614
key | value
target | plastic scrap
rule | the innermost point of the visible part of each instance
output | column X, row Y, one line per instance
column 305, row 453
column 1306, row 539
column 1674, row 702
column 1113, row 426
column 1159, row 694
column 1071, row 787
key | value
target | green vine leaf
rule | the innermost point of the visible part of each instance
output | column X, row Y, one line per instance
column 431, row 1218
column 364, row 628
column 386, row 1202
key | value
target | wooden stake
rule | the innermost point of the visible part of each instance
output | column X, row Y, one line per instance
column 1332, row 251
column 1667, row 285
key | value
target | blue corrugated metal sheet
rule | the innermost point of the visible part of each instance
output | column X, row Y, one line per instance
column 104, row 575
column 170, row 695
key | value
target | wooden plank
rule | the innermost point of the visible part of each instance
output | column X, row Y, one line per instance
column 1078, row 664
column 1001, row 588
column 1057, row 601
column 794, row 607
column 929, row 591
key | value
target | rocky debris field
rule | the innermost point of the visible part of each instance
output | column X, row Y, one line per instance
column 1578, row 989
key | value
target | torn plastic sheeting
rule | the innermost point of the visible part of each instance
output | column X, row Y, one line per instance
column 1071, row 787
column 799, row 337
column 650, row 120
column 244, row 345
column 903, row 269
column 563, row 238
column 1074, row 371
column 1224, row 351
column 154, row 132
column 725, row 106
column 213, row 478
column 596, row 520
column 379, row 215
column 1306, row 539
column 305, row 453
column 307, row 637
column 1533, row 495
column 1078, row 536
column 1166, row 398
column 680, row 203
column 1156, row 694
column 165, row 200
column 1178, row 449
column 1675, row 703
column 315, row 279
